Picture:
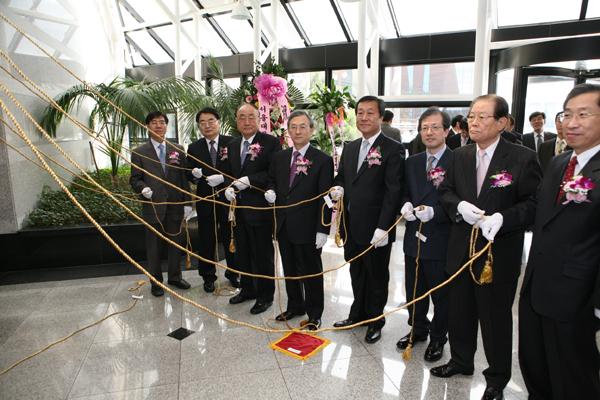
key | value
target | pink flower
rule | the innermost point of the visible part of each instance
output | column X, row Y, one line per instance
column 436, row 175
column 577, row 188
column 254, row 149
column 270, row 87
column 223, row 153
column 501, row 179
column 374, row 157
column 248, row 99
column 302, row 165
column 173, row 157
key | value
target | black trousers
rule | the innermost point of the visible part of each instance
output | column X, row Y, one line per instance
column 489, row 306
column 207, row 242
column 370, row 277
column 559, row 360
column 154, row 246
column 431, row 273
column 255, row 254
column 299, row 260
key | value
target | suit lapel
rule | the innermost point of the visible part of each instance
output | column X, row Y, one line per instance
column 422, row 180
column 248, row 155
column 470, row 177
column 364, row 165
column 498, row 163
column 151, row 153
column 350, row 157
column 234, row 158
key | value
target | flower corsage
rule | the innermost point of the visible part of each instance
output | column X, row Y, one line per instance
column 501, row 179
column 302, row 165
column 436, row 175
column 374, row 157
column 255, row 149
column 174, row 157
column 577, row 188
column 223, row 153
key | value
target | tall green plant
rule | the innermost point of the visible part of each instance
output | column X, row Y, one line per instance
column 137, row 98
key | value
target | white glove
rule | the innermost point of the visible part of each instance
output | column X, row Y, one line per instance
column 197, row 172
column 378, row 235
column 407, row 211
column 229, row 194
column 214, row 180
column 187, row 210
column 270, row 196
column 425, row 215
column 336, row 193
column 321, row 239
column 147, row 192
column 491, row 226
column 242, row 183
column 469, row 212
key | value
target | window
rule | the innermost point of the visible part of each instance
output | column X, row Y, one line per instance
column 307, row 81
column 429, row 79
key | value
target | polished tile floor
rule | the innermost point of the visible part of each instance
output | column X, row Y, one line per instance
column 130, row 356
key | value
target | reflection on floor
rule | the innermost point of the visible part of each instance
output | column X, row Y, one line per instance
column 130, row 356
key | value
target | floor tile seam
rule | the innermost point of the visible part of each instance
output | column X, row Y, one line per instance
column 81, row 366
column 228, row 375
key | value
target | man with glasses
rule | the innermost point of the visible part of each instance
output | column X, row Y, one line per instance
column 553, row 147
column 156, row 161
column 560, row 296
column 248, row 159
column 492, row 178
column 207, row 156
column 427, row 242
column 533, row 139
column 371, row 178
column 296, row 175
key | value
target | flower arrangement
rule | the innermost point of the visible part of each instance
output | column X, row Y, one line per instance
column 302, row 165
column 374, row 157
column 501, row 179
column 223, row 153
column 174, row 157
column 577, row 188
column 436, row 175
column 254, row 150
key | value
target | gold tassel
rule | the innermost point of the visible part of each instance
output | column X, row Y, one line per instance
column 303, row 323
column 232, row 246
column 406, row 353
column 338, row 238
column 487, row 274
column 188, row 263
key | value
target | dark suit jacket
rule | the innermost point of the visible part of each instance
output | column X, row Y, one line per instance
column 373, row 194
column 529, row 139
column 420, row 191
column 546, row 152
column 199, row 150
column 461, row 184
column 417, row 145
column 304, row 221
column 257, row 171
column 161, row 192
column 565, row 251
column 391, row 132
column 454, row 142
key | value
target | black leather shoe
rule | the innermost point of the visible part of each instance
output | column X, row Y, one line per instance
column 346, row 322
column 239, row 298
column 209, row 287
column 260, row 307
column 288, row 315
column 236, row 283
column 314, row 324
column 434, row 351
column 182, row 284
column 157, row 291
column 403, row 343
column 446, row 371
column 373, row 335
column 492, row 394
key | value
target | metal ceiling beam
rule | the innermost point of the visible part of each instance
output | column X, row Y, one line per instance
column 342, row 21
column 583, row 12
column 394, row 19
column 139, row 49
column 292, row 15
column 215, row 25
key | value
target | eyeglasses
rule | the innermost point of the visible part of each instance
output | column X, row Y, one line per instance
column 566, row 117
column 209, row 122
column 480, row 117
column 155, row 122
column 243, row 118
column 434, row 128
column 301, row 128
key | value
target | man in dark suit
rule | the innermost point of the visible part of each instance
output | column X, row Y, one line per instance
column 463, row 139
column 165, row 210
column 533, row 139
column 560, row 296
column 387, row 128
column 510, row 126
column 209, row 150
column 422, row 182
column 553, row 147
column 455, row 126
column 297, row 174
column 371, row 178
column 489, row 177
column 248, row 161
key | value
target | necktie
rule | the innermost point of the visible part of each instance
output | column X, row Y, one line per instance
column 568, row 175
column 464, row 141
column 363, row 153
column 481, row 170
column 162, row 156
column 560, row 147
column 539, row 141
column 293, row 168
column 213, row 153
column 430, row 163
column 244, row 152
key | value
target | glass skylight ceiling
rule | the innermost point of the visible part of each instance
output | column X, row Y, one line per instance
column 151, row 36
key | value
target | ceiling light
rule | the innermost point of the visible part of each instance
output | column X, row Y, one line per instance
column 240, row 11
